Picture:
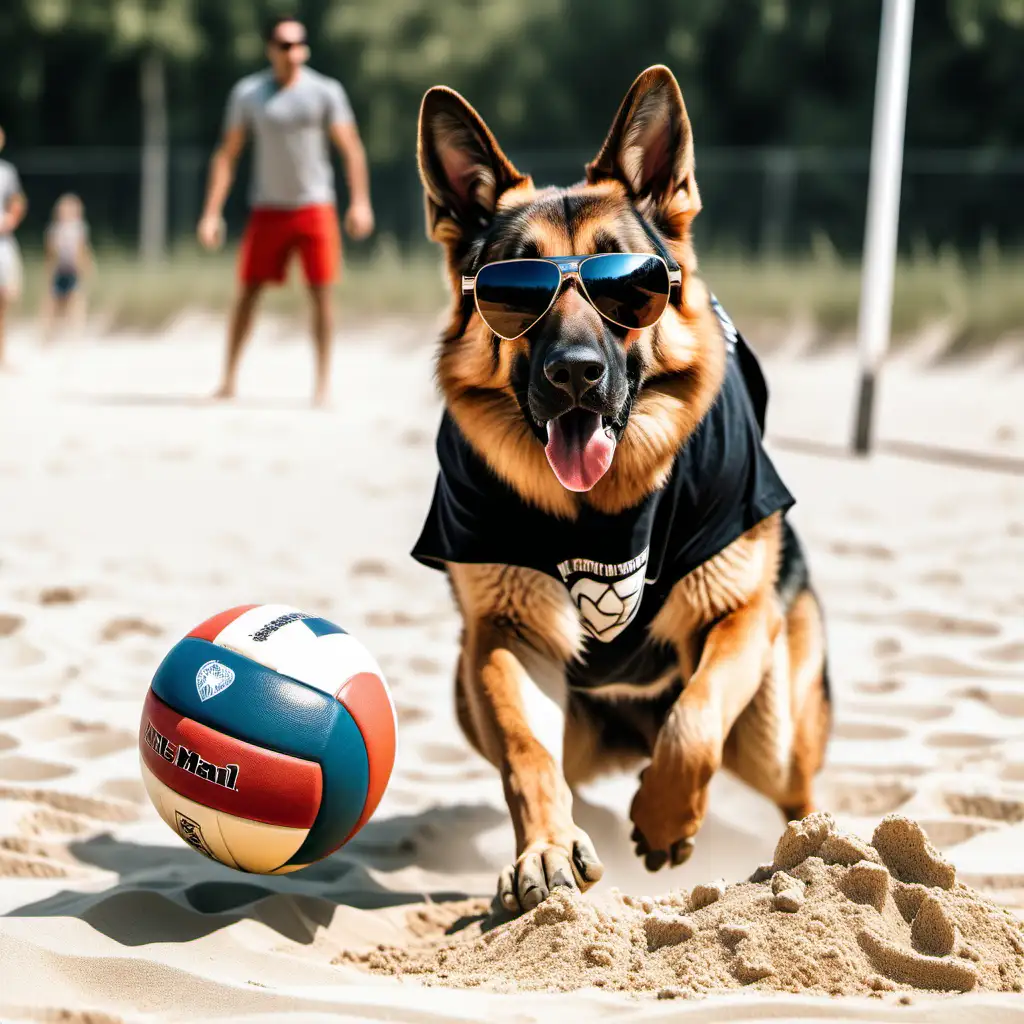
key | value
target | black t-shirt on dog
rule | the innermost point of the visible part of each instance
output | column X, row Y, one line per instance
column 620, row 568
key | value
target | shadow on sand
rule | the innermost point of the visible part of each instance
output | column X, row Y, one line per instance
column 170, row 894
column 907, row 450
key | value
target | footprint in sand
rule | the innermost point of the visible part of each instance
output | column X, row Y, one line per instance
column 409, row 715
column 876, row 732
column 27, row 769
column 867, row 797
column 942, row 578
column 71, row 804
column 10, row 624
column 937, row 665
column 933, row 624
column 119, row 628
column 443, row 753
column 426, row 666
column 101, row 745
column 47, row 822
column 1007, row 809
column 880, row 686
column 61, row 595
column 371, row 567
column 911, row 712
column 959, row 740
column 1003, row 702
column 852, row 549
column 13, row 865
column 18, row 707
column 1012, row 652
column 887, row 647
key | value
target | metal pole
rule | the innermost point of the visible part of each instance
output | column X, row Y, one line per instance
column 879, row 260
column 153, row 198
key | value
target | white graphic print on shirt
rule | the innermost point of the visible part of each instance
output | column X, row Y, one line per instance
column 607, row 597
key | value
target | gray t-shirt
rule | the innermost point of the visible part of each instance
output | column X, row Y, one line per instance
column 291, row 163
column 10, row 186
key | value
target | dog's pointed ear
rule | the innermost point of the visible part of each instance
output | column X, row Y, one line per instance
column 463, row 169
column 650, row 149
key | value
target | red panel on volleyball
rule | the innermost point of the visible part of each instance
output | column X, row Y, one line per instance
column 227, row 774
column 367, row 702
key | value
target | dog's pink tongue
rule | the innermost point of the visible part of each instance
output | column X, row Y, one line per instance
column 578, row 449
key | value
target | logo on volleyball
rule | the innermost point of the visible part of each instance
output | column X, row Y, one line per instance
column 190, row 831
column 213, row 678
column 607, row 597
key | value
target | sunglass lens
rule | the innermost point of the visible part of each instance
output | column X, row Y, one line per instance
column 511, row 297
column 630, row 289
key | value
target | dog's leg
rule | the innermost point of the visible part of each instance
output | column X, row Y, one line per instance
column 670, row 804
column 778, row 743
column 517, row 717
column 812, row 713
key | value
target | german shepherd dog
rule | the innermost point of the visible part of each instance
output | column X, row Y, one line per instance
column 614, row 534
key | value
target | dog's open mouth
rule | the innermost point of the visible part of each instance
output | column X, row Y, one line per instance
column 580, row 448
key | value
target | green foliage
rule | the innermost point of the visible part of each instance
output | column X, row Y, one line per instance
column 548, row 76
column 544, row 72
column 127, row 25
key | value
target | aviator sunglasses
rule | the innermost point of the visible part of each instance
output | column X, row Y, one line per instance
column 630, row 290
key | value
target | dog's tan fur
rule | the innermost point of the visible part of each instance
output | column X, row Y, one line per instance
column 754, row 697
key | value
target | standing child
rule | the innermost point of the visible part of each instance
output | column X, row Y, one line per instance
column 69, row 258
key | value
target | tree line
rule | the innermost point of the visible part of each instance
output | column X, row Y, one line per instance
column 546, row 74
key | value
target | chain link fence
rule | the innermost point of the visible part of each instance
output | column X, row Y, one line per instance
column 757, row 202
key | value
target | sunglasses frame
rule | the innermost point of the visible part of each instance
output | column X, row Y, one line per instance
column 569, row 268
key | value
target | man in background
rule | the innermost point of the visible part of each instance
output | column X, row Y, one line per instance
column 12, row 211
column 290, row 111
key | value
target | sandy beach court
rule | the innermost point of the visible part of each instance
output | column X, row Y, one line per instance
column 133, row 508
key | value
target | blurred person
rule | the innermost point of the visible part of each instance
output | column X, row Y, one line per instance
column 13, row 206
column 290, row 111
column 69, row 259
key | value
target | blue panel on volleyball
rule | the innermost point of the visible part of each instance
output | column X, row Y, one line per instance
column 321, row 627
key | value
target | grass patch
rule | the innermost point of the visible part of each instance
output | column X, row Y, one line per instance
column 129, row 295
column 980, row 299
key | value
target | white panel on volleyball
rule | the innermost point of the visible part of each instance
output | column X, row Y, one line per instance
column 238, row 842
column 293, row 649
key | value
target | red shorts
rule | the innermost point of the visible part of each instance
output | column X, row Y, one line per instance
column 272, row 235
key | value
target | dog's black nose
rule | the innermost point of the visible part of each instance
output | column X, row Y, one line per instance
column 575, row 370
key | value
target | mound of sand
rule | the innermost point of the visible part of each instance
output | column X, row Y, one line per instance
column 830, row 915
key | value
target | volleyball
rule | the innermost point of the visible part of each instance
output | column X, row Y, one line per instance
column 267, row 738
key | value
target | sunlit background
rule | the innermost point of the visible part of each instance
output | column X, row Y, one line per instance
column 121, row 101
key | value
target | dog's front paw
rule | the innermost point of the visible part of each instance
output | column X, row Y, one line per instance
column 667, row 813
column 543, row 866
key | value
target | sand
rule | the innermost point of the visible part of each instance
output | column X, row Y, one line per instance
column 133, row 509
column 829, row 915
